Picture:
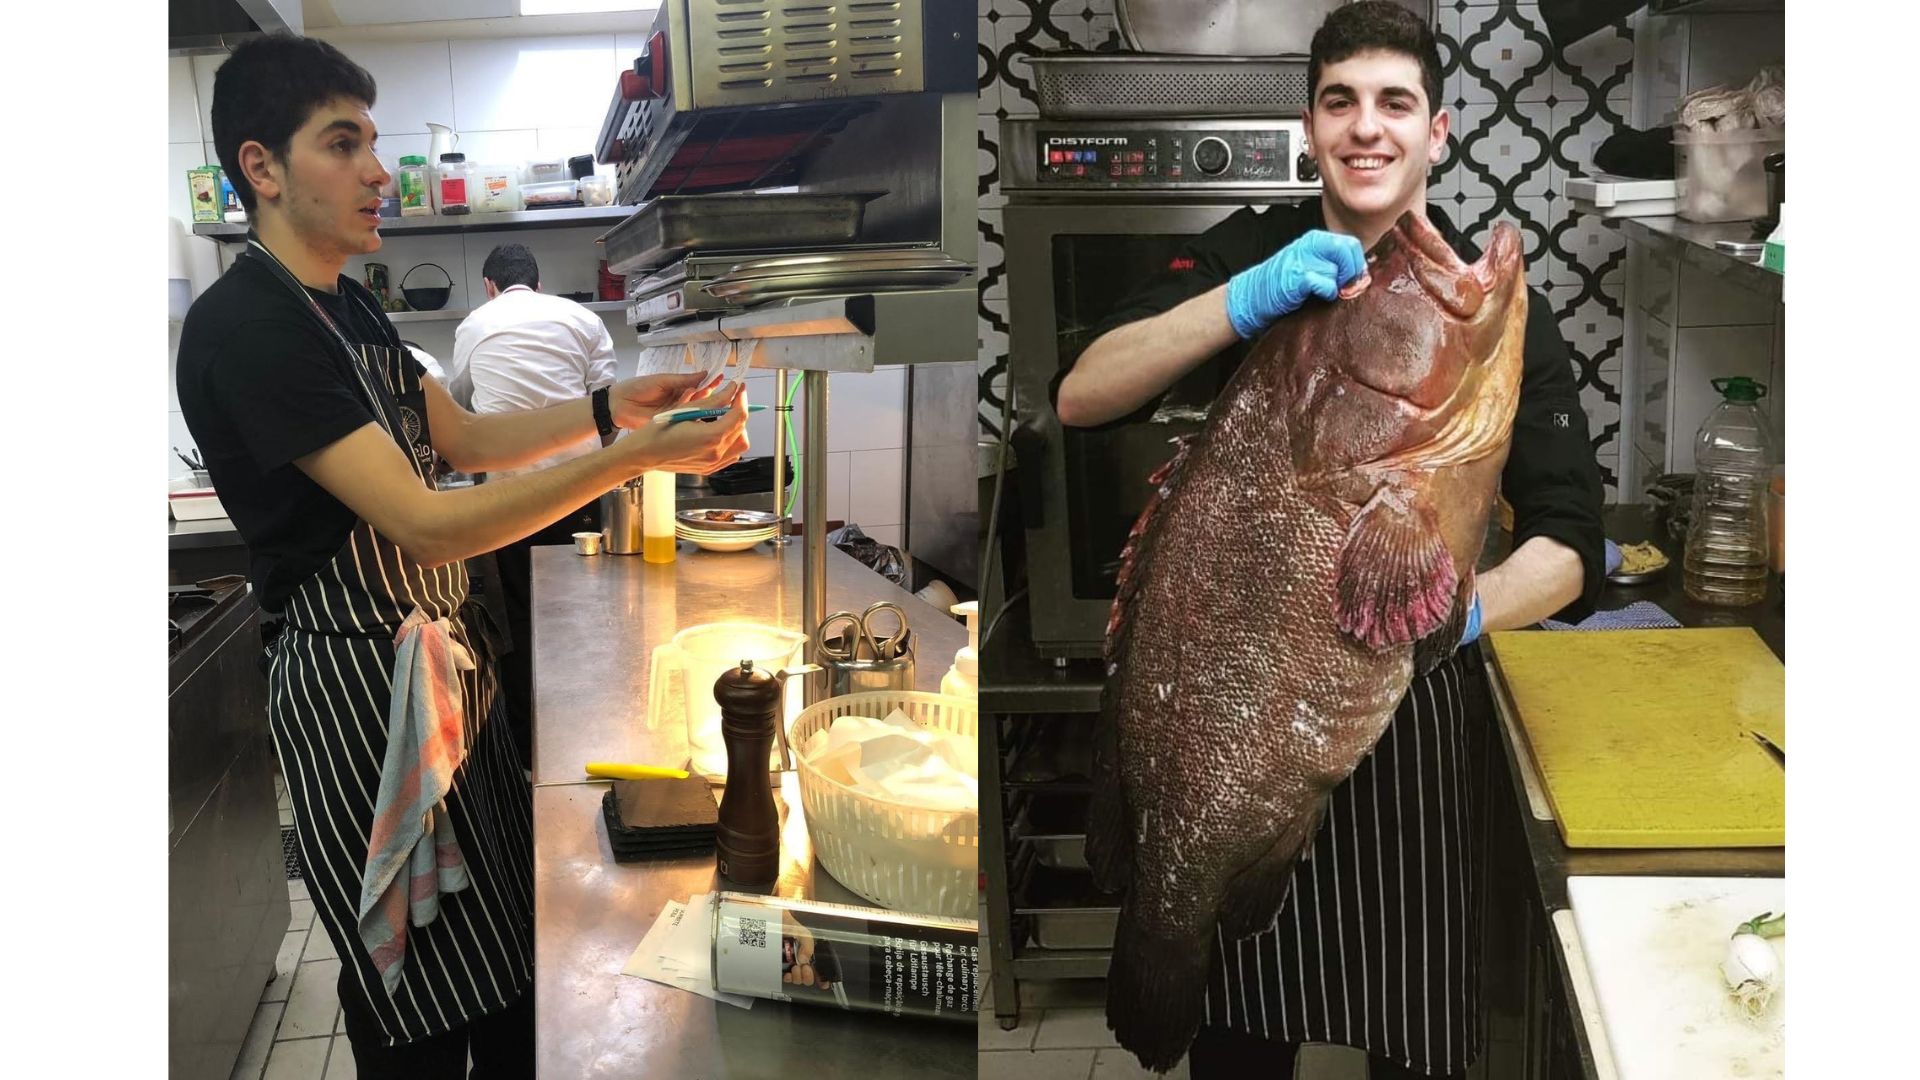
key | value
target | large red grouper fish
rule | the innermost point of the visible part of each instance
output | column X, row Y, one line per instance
column 1308, row 550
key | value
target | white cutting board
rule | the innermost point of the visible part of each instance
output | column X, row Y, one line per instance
column 1653, row 947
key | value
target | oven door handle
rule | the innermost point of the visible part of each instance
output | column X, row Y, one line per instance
column 1029, row 444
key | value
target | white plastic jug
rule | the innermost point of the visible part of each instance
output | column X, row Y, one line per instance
column 680, row 682
column 445, row 140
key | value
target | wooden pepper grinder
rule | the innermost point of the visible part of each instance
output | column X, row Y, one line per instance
column 749, row 834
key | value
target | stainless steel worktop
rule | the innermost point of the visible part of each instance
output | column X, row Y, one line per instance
column 596, row 621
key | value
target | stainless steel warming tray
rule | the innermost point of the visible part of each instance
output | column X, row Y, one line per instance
column 1110, row 86
column 670, row 226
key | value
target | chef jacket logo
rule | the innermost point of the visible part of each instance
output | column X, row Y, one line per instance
column 1180, row 264
column 410, row 423
column 1561, row 419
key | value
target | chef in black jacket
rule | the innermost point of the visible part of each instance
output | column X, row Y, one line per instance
column 324, row 436
column 1377, row 945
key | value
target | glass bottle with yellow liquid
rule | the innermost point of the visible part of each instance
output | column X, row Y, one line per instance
column 656, row 517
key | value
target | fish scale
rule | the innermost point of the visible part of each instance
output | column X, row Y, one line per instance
column 1235, row 702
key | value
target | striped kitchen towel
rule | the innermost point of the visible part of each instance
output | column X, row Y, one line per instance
column 412, row 854
column 1639, row 615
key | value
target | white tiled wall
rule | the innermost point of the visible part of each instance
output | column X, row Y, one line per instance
column 510, row 99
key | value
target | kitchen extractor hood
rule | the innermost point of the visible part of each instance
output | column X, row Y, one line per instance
column 199, row 26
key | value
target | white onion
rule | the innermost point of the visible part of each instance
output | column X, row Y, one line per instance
column 1751, row 968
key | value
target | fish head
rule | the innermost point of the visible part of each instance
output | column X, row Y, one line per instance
column 1418, row 368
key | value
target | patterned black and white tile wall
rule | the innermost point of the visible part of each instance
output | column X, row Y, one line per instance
column 1524, row 117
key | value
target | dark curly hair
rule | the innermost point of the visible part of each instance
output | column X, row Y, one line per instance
column 511, row 264
column 1375, row 24
column 268, row 88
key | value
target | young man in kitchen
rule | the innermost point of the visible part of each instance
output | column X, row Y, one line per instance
column 1393, row 968
column 527, row 349
column 322, row 435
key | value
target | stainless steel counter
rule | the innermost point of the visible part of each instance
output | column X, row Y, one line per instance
column 596, row 621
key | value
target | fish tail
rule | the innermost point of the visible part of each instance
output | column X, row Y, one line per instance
column 1156, row 989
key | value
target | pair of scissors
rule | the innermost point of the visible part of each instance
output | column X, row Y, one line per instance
column 858, row 642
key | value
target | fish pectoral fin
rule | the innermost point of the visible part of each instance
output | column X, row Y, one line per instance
column 1253, row 898
column 1394, row 581
column 1434, row 649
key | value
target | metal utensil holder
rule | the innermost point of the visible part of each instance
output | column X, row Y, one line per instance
column 858, row 676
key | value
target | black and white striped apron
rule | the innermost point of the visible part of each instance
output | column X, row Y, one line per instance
column 1376, row 945
column 330, row 680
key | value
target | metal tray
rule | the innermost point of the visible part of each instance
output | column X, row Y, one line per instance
column 1110, row 86
column 825, row 283
column 1075, row 929
column 672, row 225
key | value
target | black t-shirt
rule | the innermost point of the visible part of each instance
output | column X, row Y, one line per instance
column 262, row 383
column 1551, row 478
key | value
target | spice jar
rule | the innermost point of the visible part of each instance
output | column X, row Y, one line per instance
column 450, row 185
column 414, row 201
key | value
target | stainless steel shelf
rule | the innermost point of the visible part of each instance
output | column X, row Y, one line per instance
column 1694, row 241
column 570, row 217
column 856, row 332
column 445, row 315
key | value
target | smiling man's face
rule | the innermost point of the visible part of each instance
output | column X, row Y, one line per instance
column 330, row 182
column 1372, row 135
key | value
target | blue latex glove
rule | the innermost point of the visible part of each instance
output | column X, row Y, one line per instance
column 1473, row 621
column 1614, row 557
column 1318, row 264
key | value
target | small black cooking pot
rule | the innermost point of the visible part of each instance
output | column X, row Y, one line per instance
column 429, row 299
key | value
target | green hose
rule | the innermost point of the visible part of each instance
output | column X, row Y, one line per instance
column 793, row 448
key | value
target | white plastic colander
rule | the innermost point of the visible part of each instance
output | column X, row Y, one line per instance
column 900, row 856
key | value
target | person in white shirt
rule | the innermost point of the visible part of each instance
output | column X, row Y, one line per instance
column 525, row 349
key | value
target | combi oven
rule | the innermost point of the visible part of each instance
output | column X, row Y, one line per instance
column 1095, row 208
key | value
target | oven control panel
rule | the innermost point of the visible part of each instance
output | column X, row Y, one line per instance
column 1142, row 155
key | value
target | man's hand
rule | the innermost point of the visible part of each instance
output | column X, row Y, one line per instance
column 634, row 401
column 1319, row 263
column 694, row 446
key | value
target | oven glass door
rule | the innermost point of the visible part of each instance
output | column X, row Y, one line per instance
column 1068, row 268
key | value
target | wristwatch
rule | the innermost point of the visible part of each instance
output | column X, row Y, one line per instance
column 602, row 414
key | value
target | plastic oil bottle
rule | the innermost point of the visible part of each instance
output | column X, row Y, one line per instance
column 656, row 516
column 1727, row 541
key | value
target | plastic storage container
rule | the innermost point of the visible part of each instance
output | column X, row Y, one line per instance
column 560, row 193
column 1728, row 538
column 596, row 191
column 414, row 198
column 546, row 171
column 494, row 189
column 1721, row 175
column 451, row 185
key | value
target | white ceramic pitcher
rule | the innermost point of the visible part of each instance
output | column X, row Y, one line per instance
column 444, row 140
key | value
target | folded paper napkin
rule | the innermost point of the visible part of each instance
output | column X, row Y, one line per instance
column 1639, row 615
column 900, row 760
column 412, row 855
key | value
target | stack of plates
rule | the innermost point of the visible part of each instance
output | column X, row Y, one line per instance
column 725, row 530
column 872, row 270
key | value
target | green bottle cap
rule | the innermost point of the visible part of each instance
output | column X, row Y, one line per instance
column 1740, row 388
column 413, row 159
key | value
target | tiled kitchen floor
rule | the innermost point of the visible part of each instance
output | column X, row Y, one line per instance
column 297, row 1032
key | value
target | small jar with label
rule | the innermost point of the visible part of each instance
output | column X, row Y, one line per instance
column 450, row 185
column 414, row 200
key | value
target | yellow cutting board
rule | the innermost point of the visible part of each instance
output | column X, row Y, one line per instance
column 1640, row 737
